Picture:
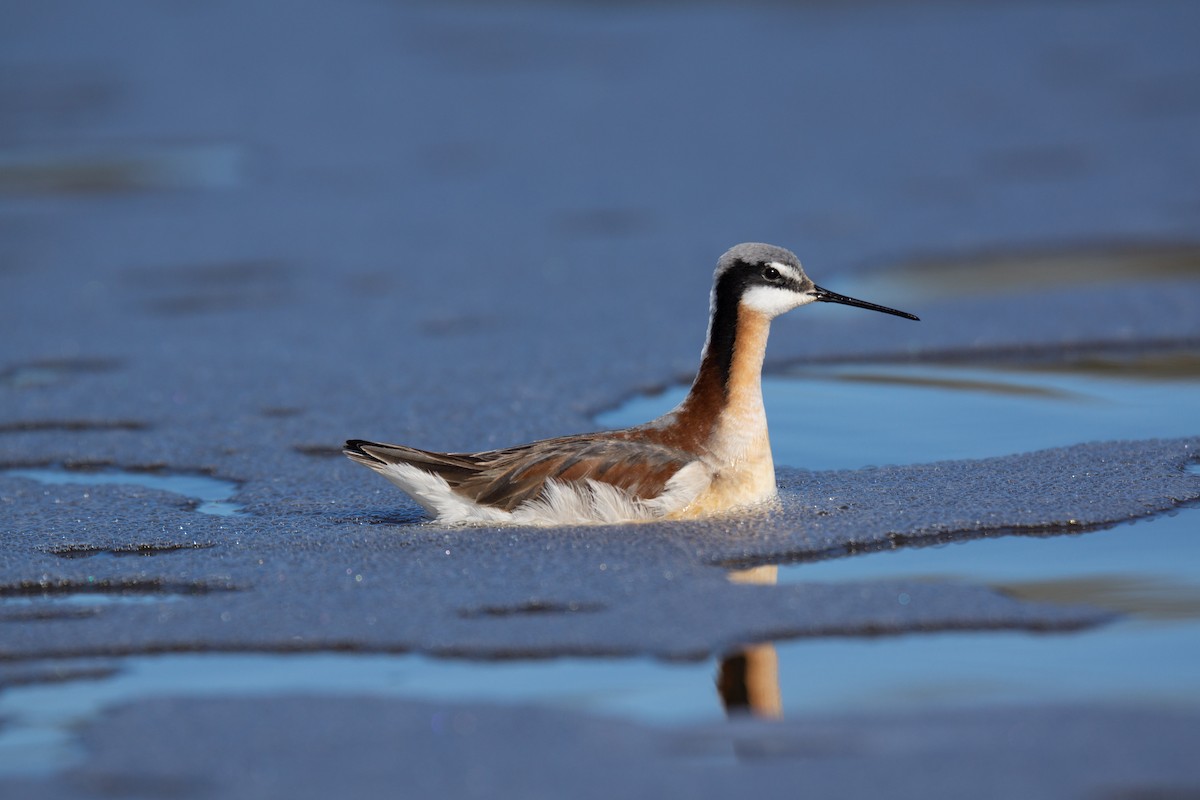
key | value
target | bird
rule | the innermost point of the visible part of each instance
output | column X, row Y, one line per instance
column 708, row 456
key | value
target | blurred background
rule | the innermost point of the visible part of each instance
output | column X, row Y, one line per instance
column 450, row 150
column 297, row 183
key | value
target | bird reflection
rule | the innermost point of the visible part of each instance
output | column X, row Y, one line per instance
column 748, row 680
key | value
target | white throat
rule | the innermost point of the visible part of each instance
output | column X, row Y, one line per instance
column 771, row 301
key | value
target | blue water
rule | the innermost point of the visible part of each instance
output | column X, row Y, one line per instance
column 212, row 493
column 39, row 717
column 842, row 417
column 848, row 417
column 1148, row 657
column 1148, row 571
column 1162, row 551
column 85, row 598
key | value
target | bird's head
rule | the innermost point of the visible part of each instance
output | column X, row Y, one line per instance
column 769, row 280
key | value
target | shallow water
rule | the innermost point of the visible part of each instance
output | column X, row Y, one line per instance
column 848, row 417
column 1147, row 657
column 212, row 493
column 1146, row 571
column 1141, row 565
column 86, row 599
column 40, row 717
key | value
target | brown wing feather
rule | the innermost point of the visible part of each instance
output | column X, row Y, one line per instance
column 506, row 478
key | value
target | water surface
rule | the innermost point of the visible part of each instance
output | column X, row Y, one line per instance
column 212, row 493
column 853, row 416
column 821, row 418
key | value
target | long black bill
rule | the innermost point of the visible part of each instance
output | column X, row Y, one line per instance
column 826, row 296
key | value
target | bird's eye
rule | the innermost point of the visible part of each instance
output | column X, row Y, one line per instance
column 771, row 274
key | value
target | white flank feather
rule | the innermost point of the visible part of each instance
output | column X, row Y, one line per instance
column 436, row 496
column 576, row 503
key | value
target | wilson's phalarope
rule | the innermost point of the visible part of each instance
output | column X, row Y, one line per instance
column 708, row 455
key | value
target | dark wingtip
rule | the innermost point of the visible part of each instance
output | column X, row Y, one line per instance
column 354, row 449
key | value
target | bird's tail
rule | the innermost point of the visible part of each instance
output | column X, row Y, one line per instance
column 453, row 467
